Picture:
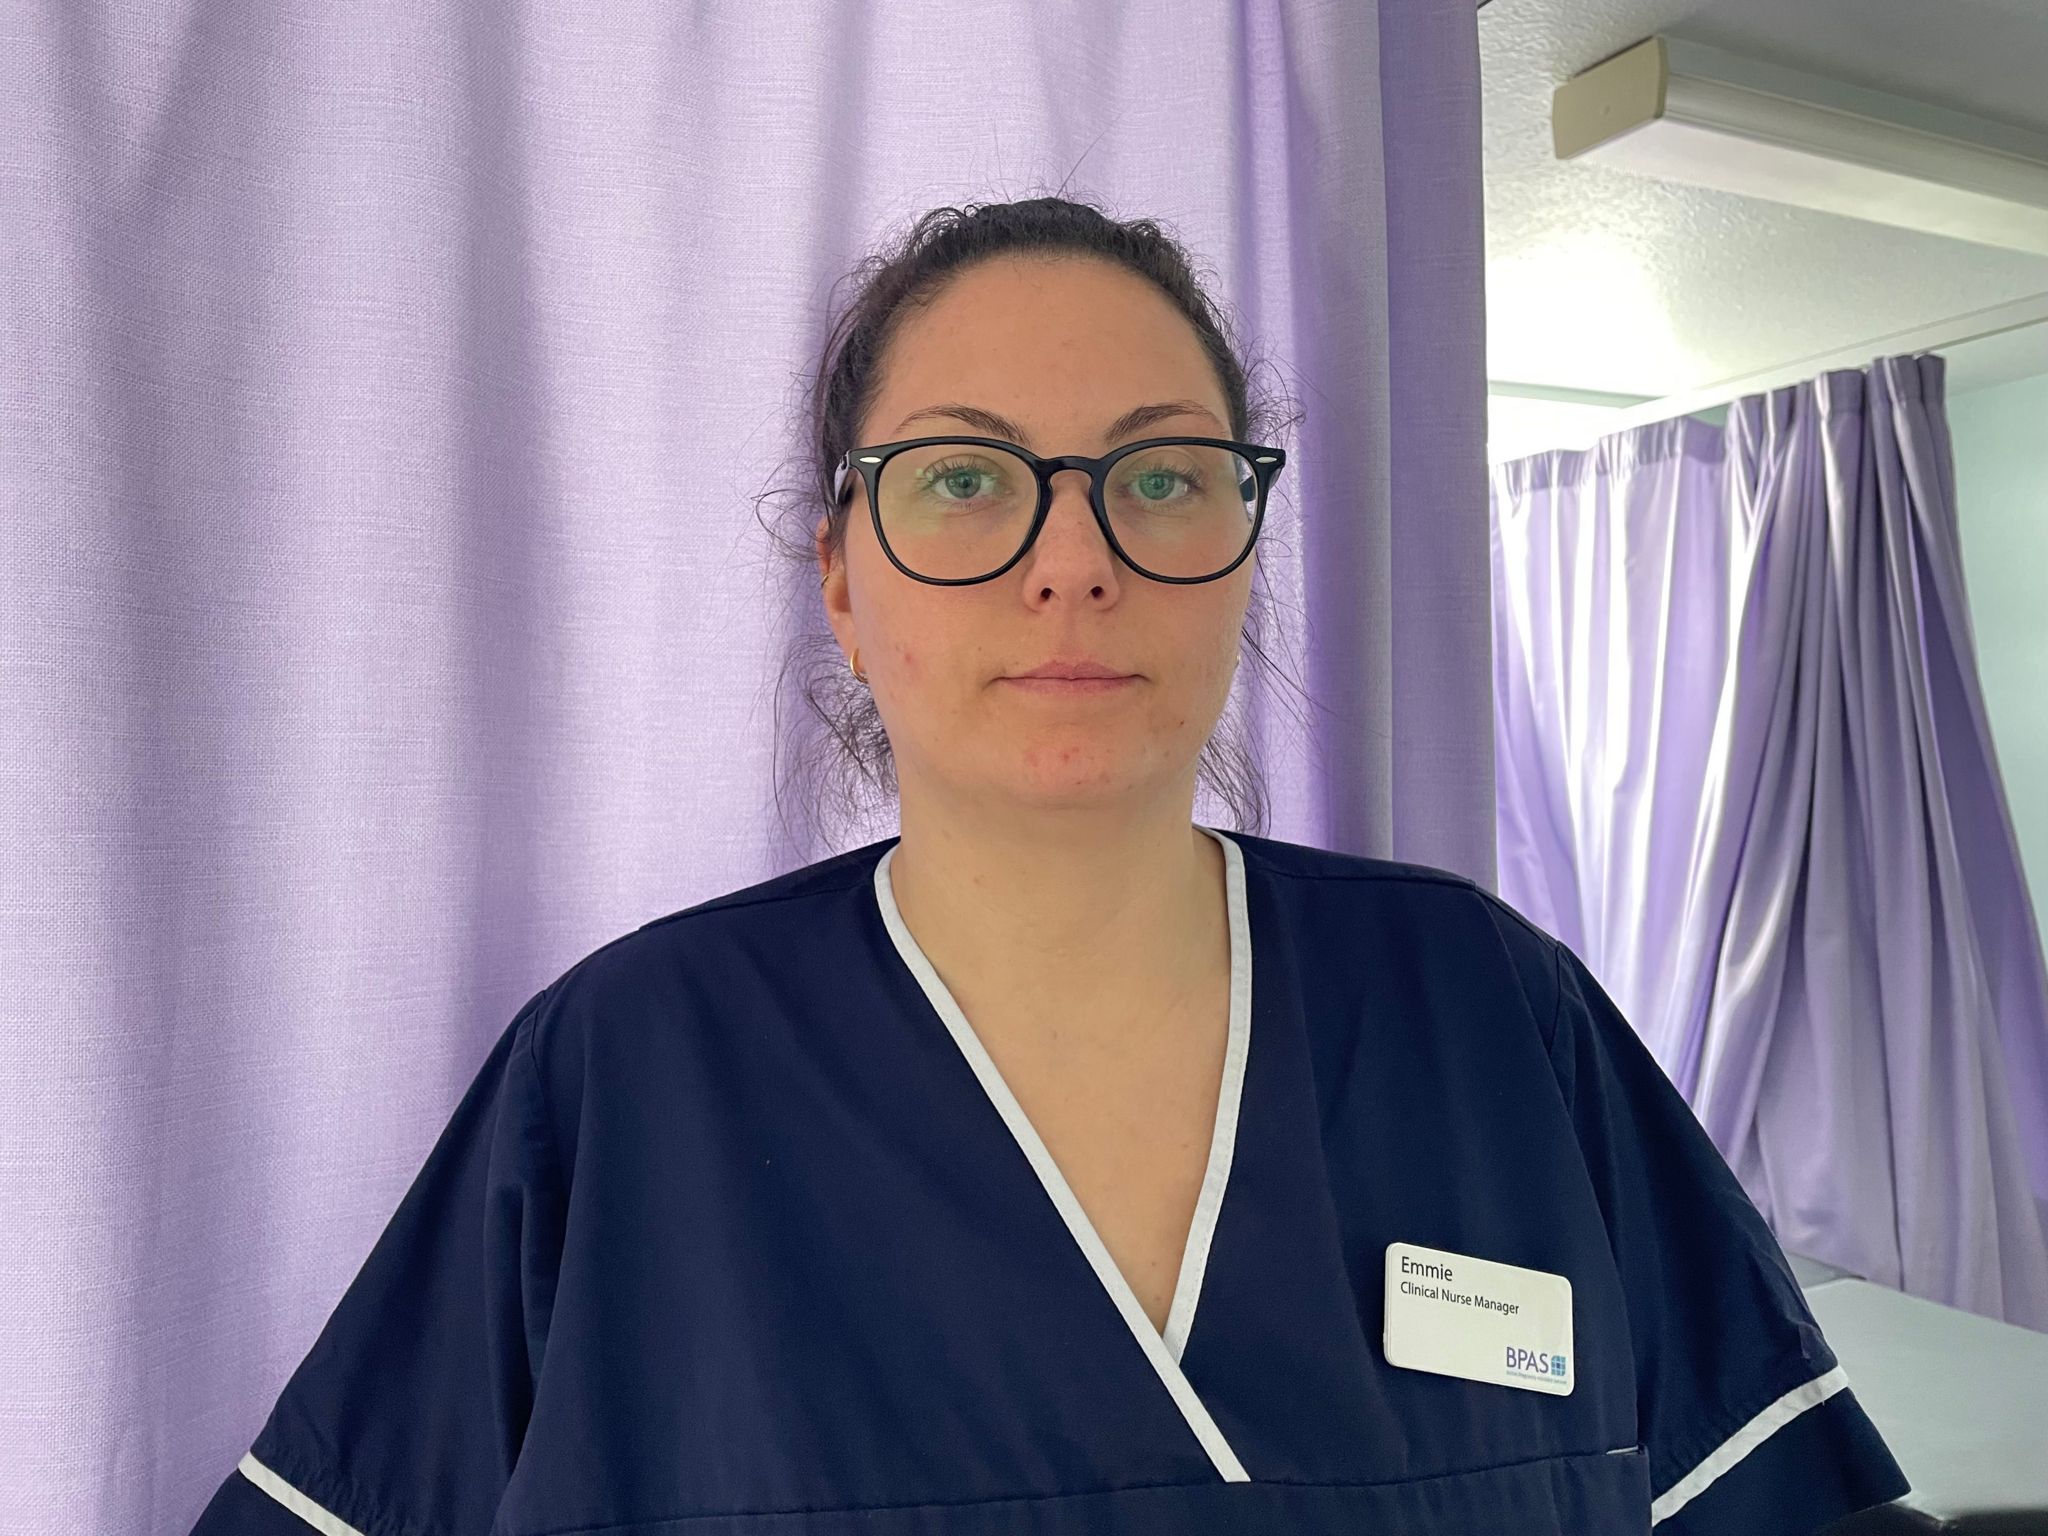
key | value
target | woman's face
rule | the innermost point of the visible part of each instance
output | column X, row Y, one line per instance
column 1060, row 349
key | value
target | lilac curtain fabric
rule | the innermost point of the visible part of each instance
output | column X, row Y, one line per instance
column 1744, row 770
column 388, row 391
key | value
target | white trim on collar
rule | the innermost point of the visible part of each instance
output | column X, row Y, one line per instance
column 1163, row 1350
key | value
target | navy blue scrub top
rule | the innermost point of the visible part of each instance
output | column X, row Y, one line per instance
column 739, row 1232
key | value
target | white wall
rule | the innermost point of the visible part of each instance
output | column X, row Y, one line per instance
column 2001, row 456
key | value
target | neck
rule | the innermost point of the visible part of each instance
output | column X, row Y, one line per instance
column 1084, row 911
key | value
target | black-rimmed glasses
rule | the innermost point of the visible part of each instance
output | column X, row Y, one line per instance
column 956, row 510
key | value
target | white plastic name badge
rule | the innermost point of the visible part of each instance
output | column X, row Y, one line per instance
column 1459, row 1316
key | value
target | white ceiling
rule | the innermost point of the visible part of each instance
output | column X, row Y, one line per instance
column 1598, row 280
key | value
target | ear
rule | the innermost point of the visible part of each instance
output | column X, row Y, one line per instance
column 832, row 587
column 828, row 567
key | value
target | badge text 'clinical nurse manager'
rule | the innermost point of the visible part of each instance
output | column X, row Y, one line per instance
column 1478, row 1318
column 1443, row 1292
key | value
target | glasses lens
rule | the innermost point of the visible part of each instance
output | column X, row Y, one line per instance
column 961, row 510
column 956, row 510
column 1182, row 509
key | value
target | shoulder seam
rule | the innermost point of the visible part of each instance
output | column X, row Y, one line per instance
column 531, row 1027
column 1448, row 877
column 708, row 905
column 727, row 904
column 1503, row 908
column 1557, row 998
column 1492, row 904
column 1550, row 942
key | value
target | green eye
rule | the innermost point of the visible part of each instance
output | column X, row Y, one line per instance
column 960, row 479
column 1157, row 485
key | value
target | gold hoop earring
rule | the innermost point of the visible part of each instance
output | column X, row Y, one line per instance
column 853, row 665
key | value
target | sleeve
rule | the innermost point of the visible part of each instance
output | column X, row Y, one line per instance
column 1747, row 1419
column 407, row 1414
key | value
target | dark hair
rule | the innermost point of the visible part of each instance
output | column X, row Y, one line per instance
column 851, row 753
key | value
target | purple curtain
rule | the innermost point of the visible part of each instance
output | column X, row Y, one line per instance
column 389, row 386
column 1744, row 770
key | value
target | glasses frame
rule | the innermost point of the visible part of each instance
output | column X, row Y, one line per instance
column 869, row 462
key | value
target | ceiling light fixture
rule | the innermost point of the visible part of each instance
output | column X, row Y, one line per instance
column 1686, row 112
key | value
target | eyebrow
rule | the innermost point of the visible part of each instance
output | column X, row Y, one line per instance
column 1001, row 426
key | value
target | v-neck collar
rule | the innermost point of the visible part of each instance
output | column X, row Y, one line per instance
column 1162, row 1347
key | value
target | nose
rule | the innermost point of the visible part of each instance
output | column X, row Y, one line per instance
column 1070, row 538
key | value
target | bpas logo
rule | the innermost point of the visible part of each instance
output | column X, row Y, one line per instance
column 1525, row 1362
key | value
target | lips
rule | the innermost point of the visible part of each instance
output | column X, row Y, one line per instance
column 1071, row 687
column 1072, row 671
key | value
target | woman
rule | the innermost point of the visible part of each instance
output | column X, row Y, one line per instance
column 1060, row 1164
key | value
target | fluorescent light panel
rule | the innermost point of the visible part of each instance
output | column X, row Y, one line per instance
column 1682, row 111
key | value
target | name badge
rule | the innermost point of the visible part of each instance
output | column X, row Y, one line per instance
column 1455, row 1315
